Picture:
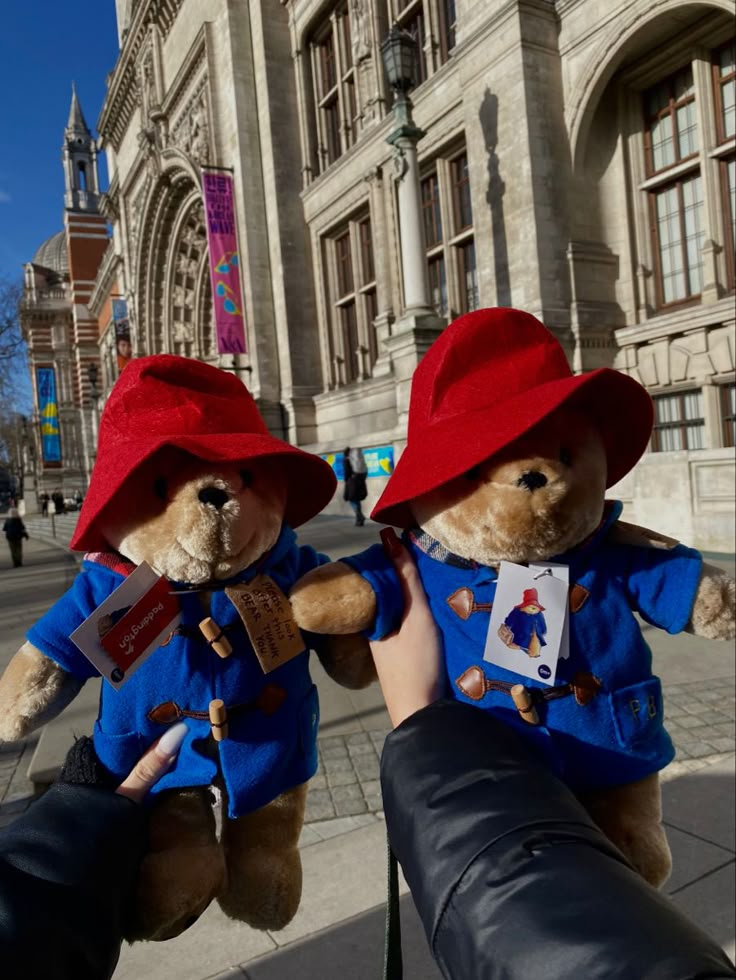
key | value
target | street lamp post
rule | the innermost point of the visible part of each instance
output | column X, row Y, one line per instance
column 418, row 325
column 399, row 59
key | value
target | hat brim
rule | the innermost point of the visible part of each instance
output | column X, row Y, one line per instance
column 311, row 480
column 620, row 407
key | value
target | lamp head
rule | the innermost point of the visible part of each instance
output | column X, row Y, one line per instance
column 399, row 53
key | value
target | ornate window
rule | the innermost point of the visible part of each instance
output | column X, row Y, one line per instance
column 679, row 422
column 189, row 295
column 676, row 201
column 448, row 233
column 351, row 291
column 728, row 413
column 433, row 25
column 335, row 95
column 687, row 174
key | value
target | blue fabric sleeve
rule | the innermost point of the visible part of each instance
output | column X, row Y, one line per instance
column 50, row 634
column 381, row 575
column 309, row 559
column 662, row 584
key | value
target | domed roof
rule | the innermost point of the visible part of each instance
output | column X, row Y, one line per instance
column 52, row 254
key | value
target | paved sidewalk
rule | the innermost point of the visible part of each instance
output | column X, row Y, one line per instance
column 338, row 931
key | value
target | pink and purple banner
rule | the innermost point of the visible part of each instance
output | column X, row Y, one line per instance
column 224, row 262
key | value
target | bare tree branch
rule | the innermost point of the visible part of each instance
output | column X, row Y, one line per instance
column 13, row 362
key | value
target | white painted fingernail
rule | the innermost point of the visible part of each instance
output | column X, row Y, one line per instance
column 170, row 741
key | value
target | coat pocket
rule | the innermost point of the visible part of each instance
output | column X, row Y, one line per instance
column 638, row 713
column 118, row 753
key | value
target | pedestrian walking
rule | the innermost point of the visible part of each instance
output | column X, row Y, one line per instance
column 356, row 470
column 58, row 499
column 45, row 504
column 15, row 531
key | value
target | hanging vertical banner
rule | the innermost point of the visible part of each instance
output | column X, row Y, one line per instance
column 224, row 262
column 48, row 413
column 123, row 347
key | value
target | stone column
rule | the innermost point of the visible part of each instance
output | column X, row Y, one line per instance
column 418, row 325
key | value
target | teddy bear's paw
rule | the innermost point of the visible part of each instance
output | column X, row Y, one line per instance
column 264, row 888
column 333, row 598
column 348, row 660
column 264, row 868
column 714, row 610
column 647, row 850
column 33, row 690
column 631, row 817
column 174, row 888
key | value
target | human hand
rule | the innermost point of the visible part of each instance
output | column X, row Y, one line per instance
column 153, row 764
column 408, row 661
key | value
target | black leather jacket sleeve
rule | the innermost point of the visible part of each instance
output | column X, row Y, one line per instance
column 67, row 869
column 509, row 875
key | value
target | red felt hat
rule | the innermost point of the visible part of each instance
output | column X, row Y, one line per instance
column 167, row 401
column 530, row 596
column 489, row 378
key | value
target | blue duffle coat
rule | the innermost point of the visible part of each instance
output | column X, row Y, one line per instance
column 264, row 755
column 619, row 736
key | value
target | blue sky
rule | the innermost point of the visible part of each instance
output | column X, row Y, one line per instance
column 44, row 46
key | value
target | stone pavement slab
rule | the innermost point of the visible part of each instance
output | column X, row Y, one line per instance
column 353, row 949
column 699, row 810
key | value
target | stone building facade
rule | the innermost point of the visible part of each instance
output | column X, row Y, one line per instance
column 577, row 162
column 60, row 331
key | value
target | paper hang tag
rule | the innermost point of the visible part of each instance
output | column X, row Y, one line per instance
column 561, row 572
column 268, row 620
column 124, row 630
column 525, row 633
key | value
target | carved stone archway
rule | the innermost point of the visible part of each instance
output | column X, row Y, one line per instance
column 173, row 296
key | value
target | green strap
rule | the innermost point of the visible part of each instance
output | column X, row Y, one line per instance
column 393, row 967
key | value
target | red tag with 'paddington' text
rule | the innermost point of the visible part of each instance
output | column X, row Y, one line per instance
column 129, row 625
column 141, row 625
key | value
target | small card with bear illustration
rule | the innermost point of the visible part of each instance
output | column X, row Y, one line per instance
column 527, row 632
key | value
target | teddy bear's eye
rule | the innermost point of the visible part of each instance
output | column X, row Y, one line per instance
column 247, row 477
column 473, row 473
column 565, row 457
column 159, row 487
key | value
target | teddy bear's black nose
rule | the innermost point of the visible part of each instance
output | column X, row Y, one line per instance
column 532, row 480
column 213, row 495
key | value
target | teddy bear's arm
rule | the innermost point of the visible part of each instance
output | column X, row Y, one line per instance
column 33, row 690
column 333, row 599
column 714, row 610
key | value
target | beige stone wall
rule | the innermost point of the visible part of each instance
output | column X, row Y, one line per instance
column 545, row 98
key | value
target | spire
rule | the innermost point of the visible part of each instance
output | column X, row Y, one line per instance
column 76, row 124
column 79, row 153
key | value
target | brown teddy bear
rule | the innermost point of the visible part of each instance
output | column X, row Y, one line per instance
column 189, row 481
column 506, row 465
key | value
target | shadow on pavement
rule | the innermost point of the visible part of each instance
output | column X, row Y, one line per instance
column 351, row 949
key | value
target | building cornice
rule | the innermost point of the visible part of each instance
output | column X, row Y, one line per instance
column 682, row 321
column 122, row 83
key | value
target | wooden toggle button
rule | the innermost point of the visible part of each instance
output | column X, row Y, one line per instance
column 524, row 704
column 215, row 637
column 218, row 719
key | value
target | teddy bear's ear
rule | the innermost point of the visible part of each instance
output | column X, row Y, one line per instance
column 640, row 537
column 159, row 487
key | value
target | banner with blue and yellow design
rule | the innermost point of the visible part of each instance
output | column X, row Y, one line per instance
column 48, row 413
column 378, row 459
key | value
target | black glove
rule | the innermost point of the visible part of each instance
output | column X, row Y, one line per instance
column 83, row 768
